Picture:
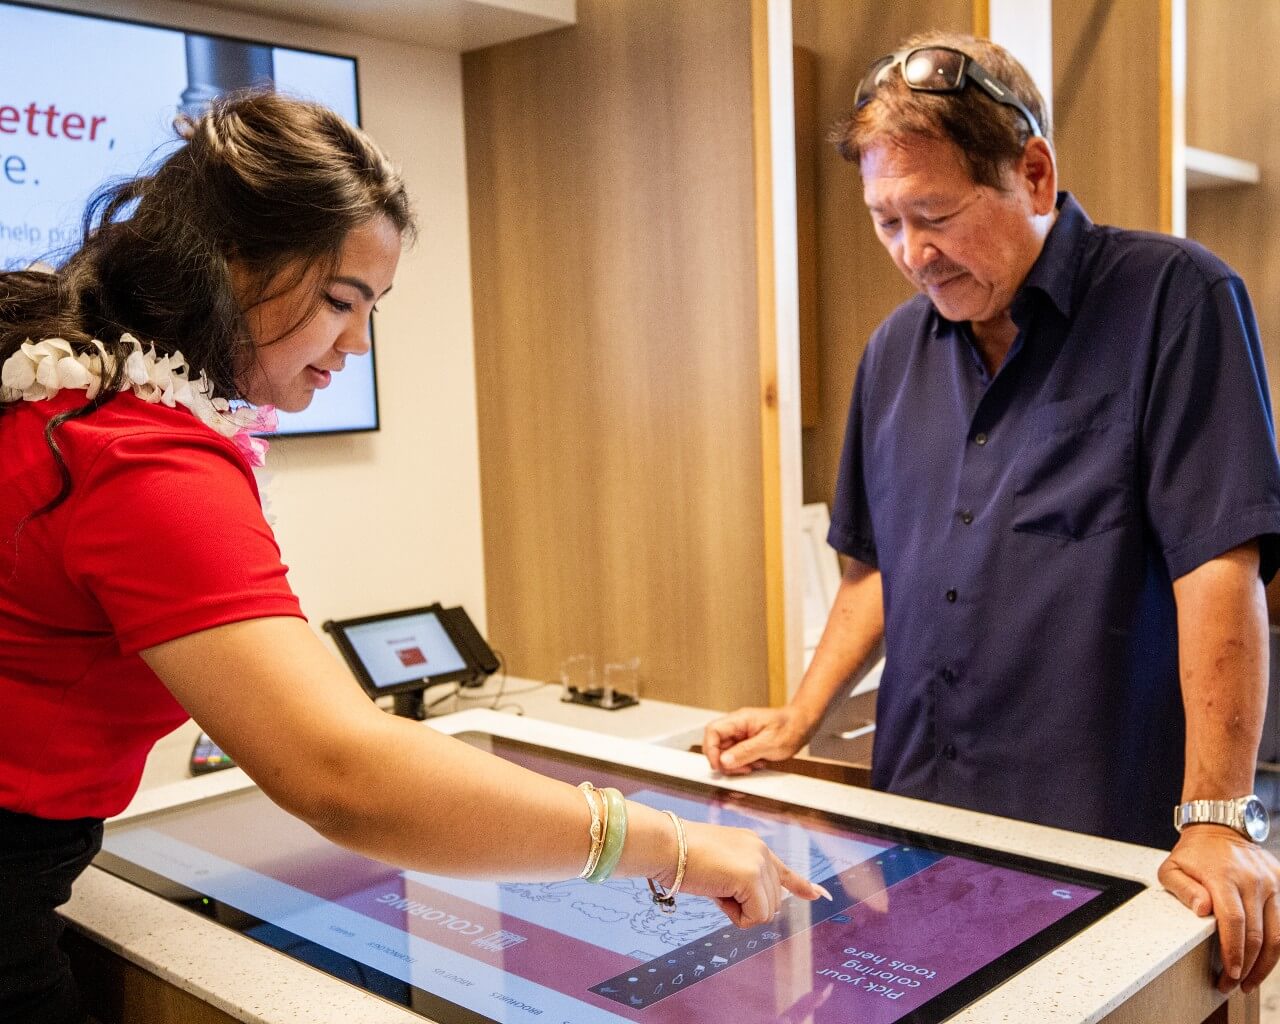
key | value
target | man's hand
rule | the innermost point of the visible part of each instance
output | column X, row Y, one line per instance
column 745, row 740
column 750, row 737
column 1214, row 870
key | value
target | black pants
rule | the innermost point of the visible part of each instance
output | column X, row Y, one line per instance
column 39, row 860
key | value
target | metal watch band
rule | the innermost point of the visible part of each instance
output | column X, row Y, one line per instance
column 1210, row 812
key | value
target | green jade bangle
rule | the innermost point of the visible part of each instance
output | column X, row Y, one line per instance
column 615, row 836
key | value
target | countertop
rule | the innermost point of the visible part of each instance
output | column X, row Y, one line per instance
column 1080, row 981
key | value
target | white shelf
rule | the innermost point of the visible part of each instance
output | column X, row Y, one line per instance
column 1216, row 170
column 453, row 25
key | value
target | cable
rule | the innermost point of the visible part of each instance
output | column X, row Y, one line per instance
column 459, row 695
column 502, row 685
column 497, row 704
column 510, row 693
column 426, row 708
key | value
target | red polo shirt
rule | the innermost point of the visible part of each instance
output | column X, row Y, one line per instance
column 162, row 535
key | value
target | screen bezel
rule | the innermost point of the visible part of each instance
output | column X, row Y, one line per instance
column 1113, row 890
column 338, row 630
column 355, row 61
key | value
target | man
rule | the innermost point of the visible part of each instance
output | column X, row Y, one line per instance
column 1061, row 497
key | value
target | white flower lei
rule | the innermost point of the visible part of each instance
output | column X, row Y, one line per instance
column 39, row 370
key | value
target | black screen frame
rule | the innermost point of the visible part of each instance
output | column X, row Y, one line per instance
column 1113, row 892
column 355, row 61
column 338, row 630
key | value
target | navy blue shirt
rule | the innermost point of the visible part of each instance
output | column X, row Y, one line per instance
column 1028, row 525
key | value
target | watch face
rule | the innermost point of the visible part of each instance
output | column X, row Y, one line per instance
column 1256, row 822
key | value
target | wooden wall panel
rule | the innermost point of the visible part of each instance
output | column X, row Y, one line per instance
column 1107, row 116
column 806, row 80
column 858, row 286
column 117, row 991
column 1227, row 115
column 617, row 348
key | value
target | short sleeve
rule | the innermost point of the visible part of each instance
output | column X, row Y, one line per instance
column 1212, row 476
column 851, row 530
column 166, row 533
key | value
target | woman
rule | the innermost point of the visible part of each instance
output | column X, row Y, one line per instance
column 139, row 582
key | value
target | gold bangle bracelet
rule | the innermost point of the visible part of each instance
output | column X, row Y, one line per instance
column 666, row 898
column 596, row 831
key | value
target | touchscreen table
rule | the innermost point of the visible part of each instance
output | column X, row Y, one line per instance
column 918, row 927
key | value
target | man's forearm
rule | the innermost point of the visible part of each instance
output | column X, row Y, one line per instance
column 1223, row 658
column 854, row 627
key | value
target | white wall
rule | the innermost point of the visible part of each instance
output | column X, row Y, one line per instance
column 1025, row 29
column 372, row 522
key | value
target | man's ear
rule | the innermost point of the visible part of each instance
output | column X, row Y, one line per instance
column 1038, row 172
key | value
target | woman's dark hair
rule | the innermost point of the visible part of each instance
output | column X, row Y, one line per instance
column 269, row 183
column 991, row 136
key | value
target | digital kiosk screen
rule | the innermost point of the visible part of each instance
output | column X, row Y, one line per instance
column 918, row 927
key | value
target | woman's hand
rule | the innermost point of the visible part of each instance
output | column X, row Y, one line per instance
column 741, row 873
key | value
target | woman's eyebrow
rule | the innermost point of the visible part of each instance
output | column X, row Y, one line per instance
column 357, row 284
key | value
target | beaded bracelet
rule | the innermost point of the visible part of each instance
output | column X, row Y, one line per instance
column 615, row 834
column 597, row 830
column 666, row 898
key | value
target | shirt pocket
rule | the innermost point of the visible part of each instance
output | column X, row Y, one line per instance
column 1074, row 478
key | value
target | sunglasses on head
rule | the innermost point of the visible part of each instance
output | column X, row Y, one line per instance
column 939, row 69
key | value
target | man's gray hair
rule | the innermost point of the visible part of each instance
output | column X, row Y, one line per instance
column 991, row 136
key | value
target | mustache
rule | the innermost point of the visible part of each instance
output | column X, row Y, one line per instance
column 936, row 272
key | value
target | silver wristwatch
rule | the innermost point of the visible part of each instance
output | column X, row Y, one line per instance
column 1245, row 814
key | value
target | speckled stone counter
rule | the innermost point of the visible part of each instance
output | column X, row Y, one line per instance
column 1150, row 948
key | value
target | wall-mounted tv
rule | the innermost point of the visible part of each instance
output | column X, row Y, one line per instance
column 84, row 99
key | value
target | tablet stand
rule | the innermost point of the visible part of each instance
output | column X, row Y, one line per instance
column 409, row 705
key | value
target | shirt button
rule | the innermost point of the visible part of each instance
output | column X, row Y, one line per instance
column 951, row 597
column 981, row 439
column 949, row 752
column 966, row 517
column 948, row 675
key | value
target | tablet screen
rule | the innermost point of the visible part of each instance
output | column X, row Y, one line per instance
column 918, row 927
column 405, row 648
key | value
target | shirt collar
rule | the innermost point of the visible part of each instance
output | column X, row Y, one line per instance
column 1054, row 271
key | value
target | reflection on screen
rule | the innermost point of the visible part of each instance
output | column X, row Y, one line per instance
column 909, row 934
column 405, row 649
column 104, row 109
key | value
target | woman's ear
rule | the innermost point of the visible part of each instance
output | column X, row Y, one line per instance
column 241, row 279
